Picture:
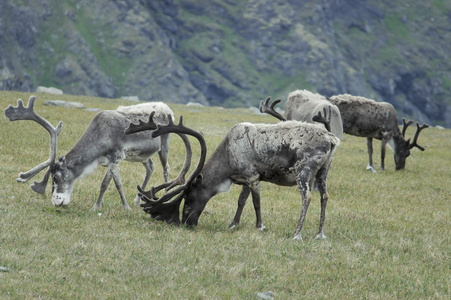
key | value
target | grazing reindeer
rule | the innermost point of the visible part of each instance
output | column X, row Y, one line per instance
column 367, row 118
column 103, row 143
column 288, row 153
column 303, row 105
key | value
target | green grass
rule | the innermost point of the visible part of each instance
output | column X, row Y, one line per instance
column 388, row 232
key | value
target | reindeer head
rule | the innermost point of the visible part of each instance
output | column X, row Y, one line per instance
column 27, row 113
column 167, row 207
column 63, row 181
column 62, row 177
column 402, row 146
column 196, row 198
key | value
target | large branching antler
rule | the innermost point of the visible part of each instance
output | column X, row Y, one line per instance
column 405, row 125
column 181, row 129
column 142, row 126
column 166, row 207
column 163, row 208
column 325, row 119
column 417, row 133
column 266, row 107
column 415, row 138
column 27, row 113
column 180, row 180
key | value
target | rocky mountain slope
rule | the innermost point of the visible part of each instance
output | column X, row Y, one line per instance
column 233, row 53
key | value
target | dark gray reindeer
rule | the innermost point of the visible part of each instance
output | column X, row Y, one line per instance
column 104, row 143
column 287, row 153
column 367, row 118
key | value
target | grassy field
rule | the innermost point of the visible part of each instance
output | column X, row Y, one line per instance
column 388, row 232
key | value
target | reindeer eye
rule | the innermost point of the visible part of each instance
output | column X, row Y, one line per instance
column 56, row 177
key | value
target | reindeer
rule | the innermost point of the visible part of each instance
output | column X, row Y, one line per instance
column 104, row 143
column 303, row 105
column 287, row 153
column 367, row 118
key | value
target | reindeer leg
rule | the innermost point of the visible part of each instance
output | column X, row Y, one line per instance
column 369, row 144
column 322, row 187
column 118, row 183
column 303, row 180
column 105, row 182
column 241, row 202
column 383, row 144
column 255, row 190
column 150, row 168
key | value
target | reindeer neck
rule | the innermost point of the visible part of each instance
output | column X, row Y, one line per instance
column 398, row 140
column 99, row 144
column 216, row 172
column 82, row 154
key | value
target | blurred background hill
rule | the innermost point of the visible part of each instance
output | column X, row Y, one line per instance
column 233, row 53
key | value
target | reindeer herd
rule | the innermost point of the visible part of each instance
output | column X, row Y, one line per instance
column 296, row 151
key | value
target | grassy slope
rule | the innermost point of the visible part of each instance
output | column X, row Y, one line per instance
column 388, row 232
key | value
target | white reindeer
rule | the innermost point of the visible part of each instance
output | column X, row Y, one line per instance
column 104, row 143
column 288, row 153
column 303, row 105
column 367, row 118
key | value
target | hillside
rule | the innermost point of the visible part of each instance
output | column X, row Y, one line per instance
column 232, row 53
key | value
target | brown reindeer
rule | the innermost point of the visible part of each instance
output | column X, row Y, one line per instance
column 367, row 118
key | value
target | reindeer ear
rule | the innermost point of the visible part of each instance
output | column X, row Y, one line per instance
column 198, row 180
column 64, row 164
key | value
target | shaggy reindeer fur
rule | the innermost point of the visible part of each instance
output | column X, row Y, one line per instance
column 104, row 143
column 367, row 118
column 302, row 105
column 288, row 153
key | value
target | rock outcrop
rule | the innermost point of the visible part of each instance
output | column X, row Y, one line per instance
column 232, row 53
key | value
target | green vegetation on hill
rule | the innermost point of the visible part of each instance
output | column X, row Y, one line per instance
column 232, row 53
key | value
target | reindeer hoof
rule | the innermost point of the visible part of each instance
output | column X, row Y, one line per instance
column 261, row 227
column 320, row 236
column 233, row 225
column 370, row 168
column 297, row 237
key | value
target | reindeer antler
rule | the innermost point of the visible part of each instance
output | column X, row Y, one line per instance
column 265, row 107
column 27, row 113
column 323, row 119
column 180, row 180
column 141, row 126
column 405, row 125
column 163, row 208
column 415, row 138
column 417, row 133
column 151, row 125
